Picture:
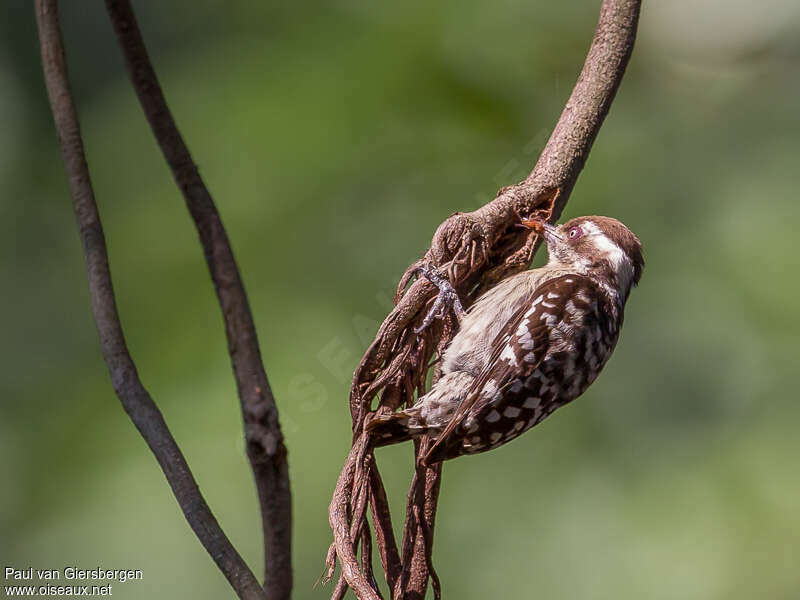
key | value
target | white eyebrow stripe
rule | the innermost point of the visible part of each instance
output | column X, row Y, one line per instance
column 591, row 228
column 615, row 254
column 622, row 265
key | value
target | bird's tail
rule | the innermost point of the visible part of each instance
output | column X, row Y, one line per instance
column 389, row 429
column 430, row 414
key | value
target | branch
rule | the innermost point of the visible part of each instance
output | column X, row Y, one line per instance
column 134, row 397
column 340, row 513
column 477, row 250
column 264, row 440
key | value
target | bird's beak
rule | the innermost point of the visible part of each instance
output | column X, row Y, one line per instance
column 543, row 228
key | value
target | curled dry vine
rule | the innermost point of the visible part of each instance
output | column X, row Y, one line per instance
column 475, row 250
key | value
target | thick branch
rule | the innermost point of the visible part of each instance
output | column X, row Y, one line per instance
column 265, row 448
column 568, row 147
column 135, row 398
column 546, row 189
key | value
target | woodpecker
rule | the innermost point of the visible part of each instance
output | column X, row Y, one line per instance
column 529, row 345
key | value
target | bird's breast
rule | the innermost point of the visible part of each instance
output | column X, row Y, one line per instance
column 471, row 348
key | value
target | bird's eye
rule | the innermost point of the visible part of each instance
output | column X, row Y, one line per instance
column 574, row 233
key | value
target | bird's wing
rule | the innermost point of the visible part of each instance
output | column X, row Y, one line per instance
column 520, row 347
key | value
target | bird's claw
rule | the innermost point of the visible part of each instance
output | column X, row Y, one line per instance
column 447, row 298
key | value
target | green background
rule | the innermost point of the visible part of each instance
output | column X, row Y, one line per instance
column 335, row 137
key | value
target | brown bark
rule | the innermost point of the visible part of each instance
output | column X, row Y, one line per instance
column 264, row 440
column 475, row 250
column 134, row 397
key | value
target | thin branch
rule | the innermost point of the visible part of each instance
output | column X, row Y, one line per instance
column 384, row 535
column 423, row 501
column 339, row 516
column 134, row 397
column 265, row 448
column 477, row 250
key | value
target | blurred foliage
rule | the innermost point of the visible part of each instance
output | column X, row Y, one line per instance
column 335, row 137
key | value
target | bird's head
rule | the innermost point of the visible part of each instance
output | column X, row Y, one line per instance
column 600, row 247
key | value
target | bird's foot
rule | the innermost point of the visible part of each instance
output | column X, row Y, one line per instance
column 447, row 298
